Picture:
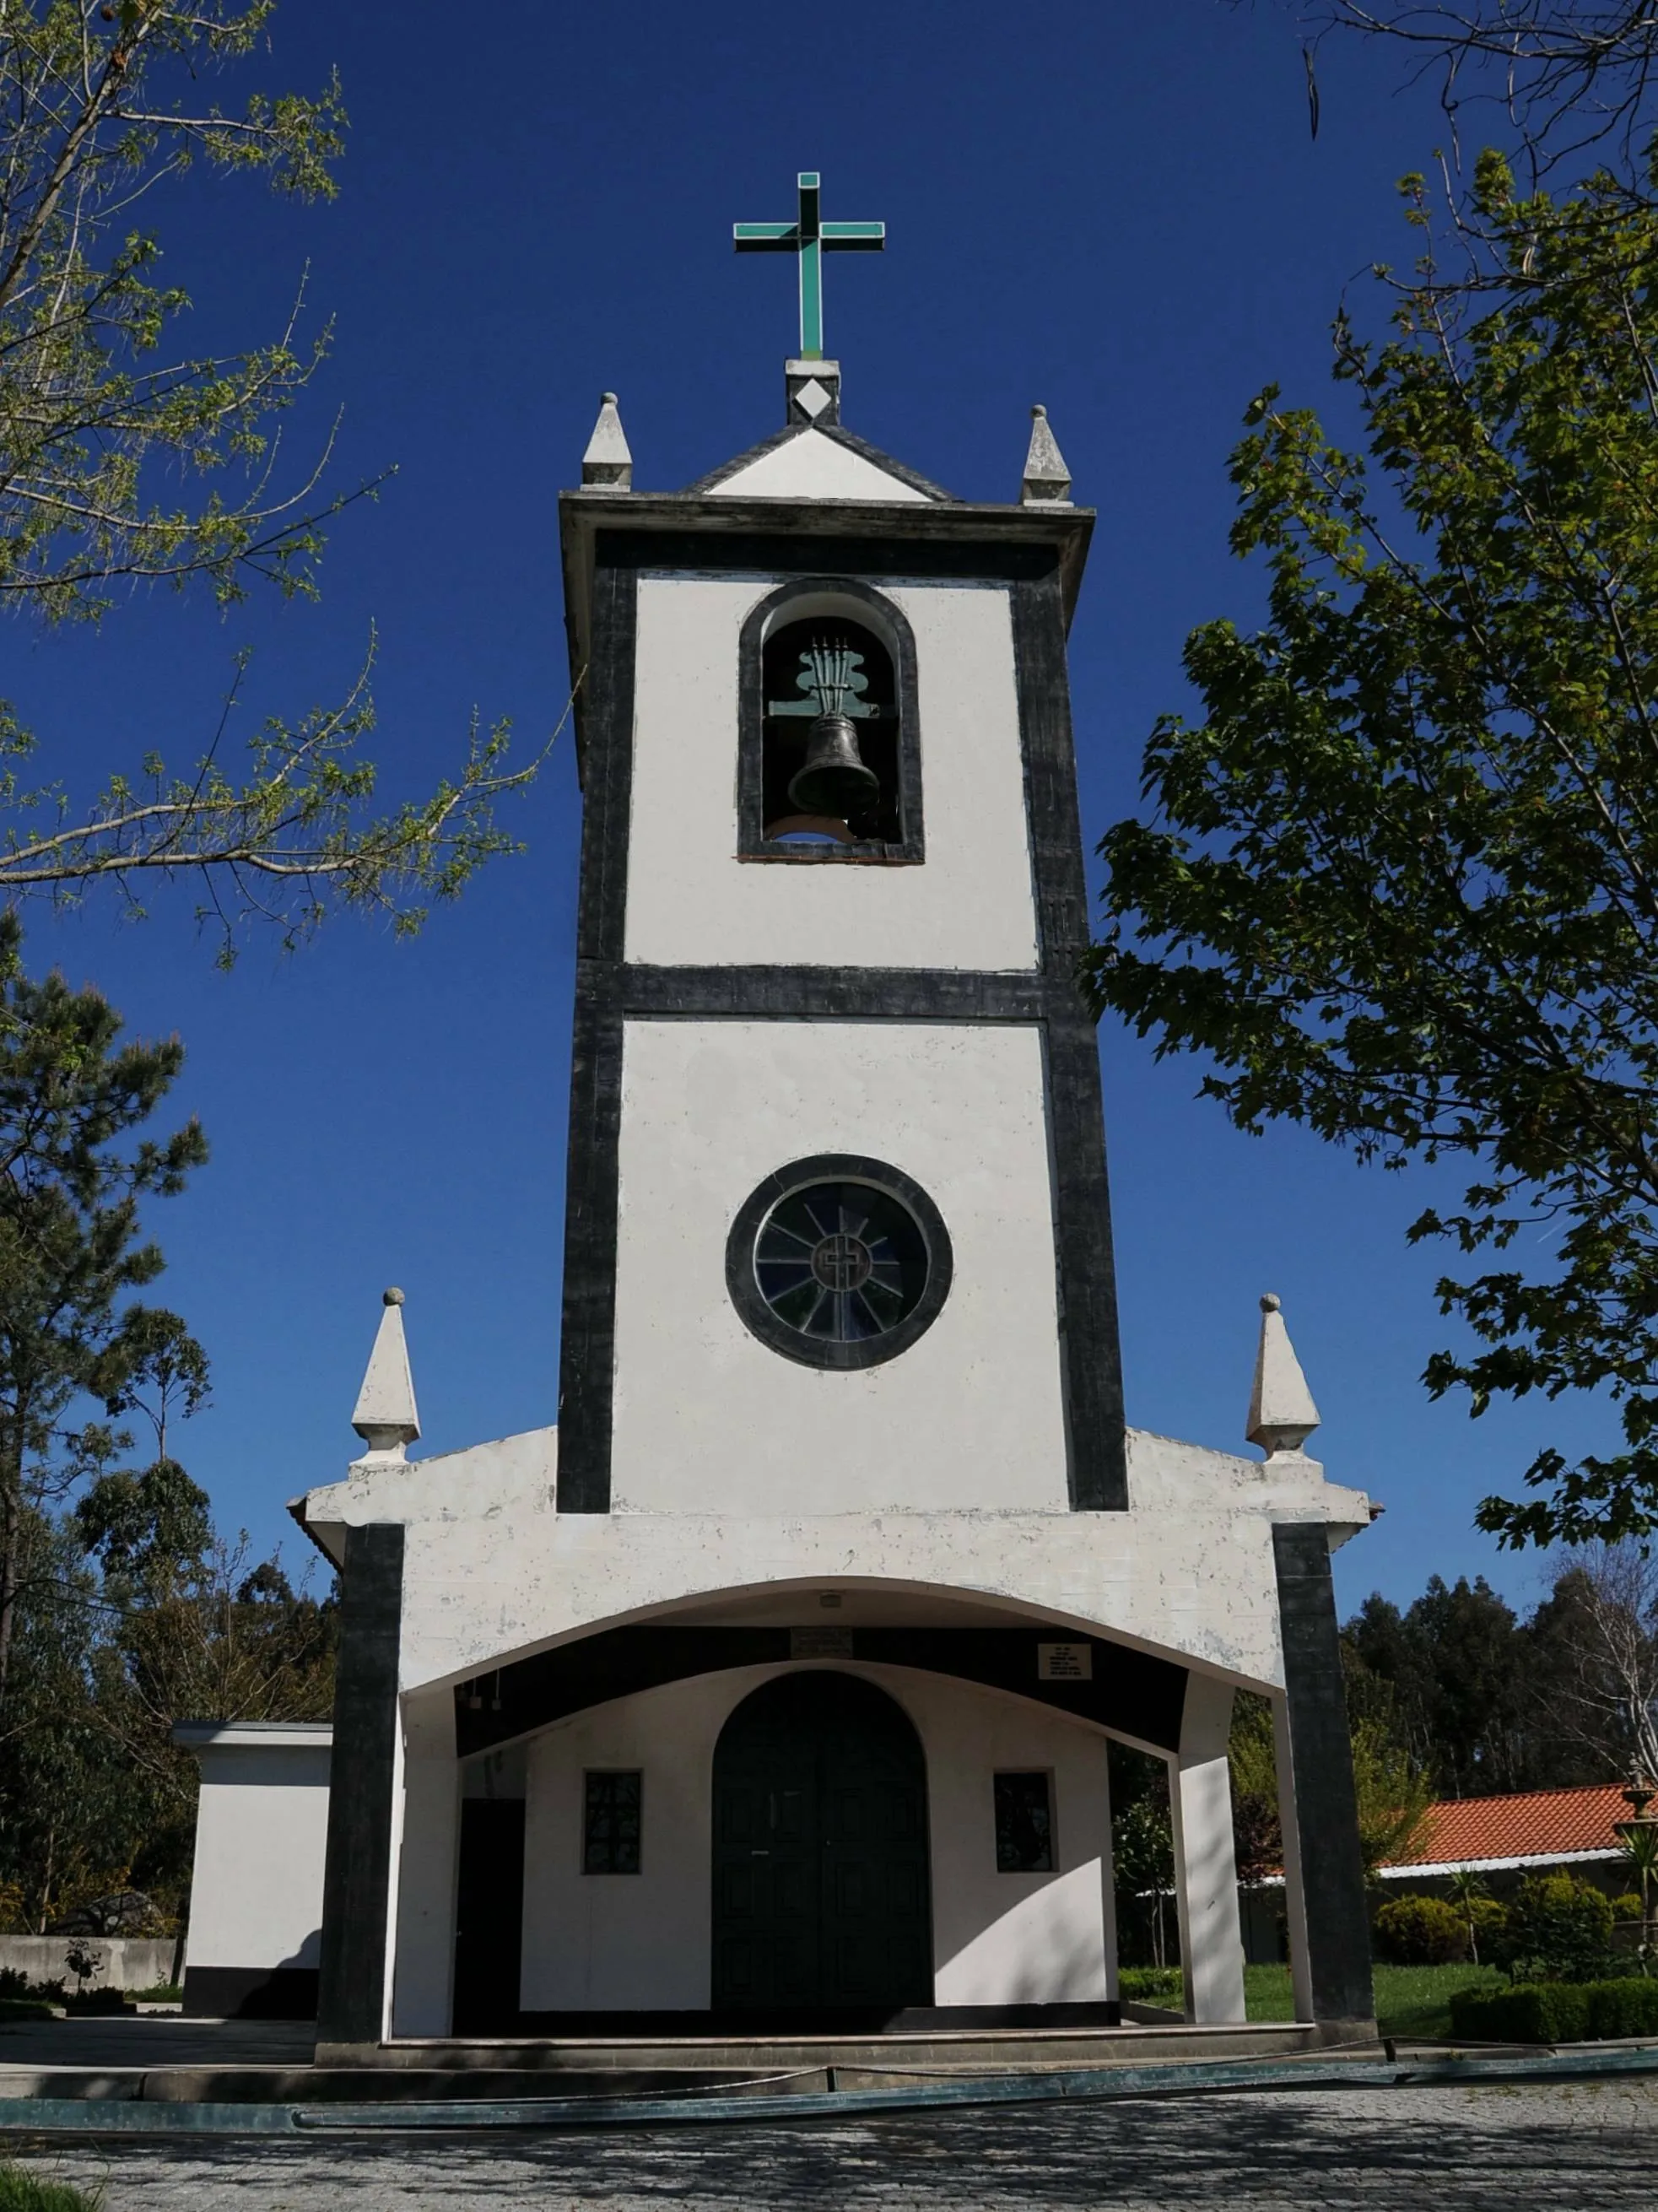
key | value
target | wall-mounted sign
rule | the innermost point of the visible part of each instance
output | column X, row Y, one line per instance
column 820, row 1644
column 1065, row 1663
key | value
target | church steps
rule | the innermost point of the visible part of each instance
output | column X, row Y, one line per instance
column 756, row 2066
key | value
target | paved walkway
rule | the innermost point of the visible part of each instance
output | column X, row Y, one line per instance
column 1570, row 2147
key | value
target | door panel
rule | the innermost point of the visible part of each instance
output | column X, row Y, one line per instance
column 488, row 1917
column 821, row 1895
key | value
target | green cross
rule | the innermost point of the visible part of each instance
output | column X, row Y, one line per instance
column 810, row 237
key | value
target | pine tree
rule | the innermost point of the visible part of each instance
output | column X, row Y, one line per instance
column 71, row 1249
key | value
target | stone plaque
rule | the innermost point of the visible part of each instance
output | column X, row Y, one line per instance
column 1065, row 1663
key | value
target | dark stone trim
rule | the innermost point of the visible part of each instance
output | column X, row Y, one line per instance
column 1321, row 1762
column 587, row 1340
column 1132, row 1692
column 841, row 436
column 899, row 994
column 587, row 1344
column 811, row 2020
column 357, row 1876
column 1089, row 1343
column 752, row 844
column 607, row 789
column 836, row 1167
column 250, row 1993
column 697, row 552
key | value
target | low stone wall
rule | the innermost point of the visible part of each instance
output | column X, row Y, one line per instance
column 125, row 1962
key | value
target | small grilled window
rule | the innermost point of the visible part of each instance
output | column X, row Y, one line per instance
column 1024, row 1824
column 609, row 1839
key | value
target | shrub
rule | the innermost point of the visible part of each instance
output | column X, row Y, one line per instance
column 1559, row 1929
column 1627, row 1907
column 1421, row 1931
column 1490, row 1921
column 1556, row 2012
column 1152, row 1984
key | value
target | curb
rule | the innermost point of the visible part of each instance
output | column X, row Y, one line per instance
column 133, row 2116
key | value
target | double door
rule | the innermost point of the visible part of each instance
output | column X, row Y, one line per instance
column 820, row 1851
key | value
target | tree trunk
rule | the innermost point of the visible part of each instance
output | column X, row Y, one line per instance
column 11, row 1541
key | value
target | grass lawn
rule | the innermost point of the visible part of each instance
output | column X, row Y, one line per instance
column 1409, row 2000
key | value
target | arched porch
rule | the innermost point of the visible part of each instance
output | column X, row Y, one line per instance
column 994, row 1691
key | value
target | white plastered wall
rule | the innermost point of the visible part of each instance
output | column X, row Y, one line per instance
column 619, row 1942
column 970, row 904
column 261, row 1837
column 494, row 1572
column 812, row 466
column 706, row 1418
column 427, row 1842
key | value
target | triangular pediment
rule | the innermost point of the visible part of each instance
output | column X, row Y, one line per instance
column 805, row 463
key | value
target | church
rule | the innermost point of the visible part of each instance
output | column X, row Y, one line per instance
column 772, row 1687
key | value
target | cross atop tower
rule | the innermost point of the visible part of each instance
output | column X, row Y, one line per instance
column 810, row 238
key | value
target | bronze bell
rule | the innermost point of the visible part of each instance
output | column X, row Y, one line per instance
column 833, row 779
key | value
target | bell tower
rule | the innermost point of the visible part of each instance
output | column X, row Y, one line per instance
column 838, row 1236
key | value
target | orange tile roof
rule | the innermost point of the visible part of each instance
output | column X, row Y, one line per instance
column 1533, row 1824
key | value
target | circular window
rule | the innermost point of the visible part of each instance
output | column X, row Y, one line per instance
column 838, row 1261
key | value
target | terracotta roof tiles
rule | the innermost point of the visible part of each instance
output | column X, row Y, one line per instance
column 1534, row 1824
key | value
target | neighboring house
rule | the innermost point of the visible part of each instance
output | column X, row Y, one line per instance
column 1501, row 1839
column 1504, row 1839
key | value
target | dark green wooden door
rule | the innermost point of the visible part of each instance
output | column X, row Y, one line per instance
column 820, row 1851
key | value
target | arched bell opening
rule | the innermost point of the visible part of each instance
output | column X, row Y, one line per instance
column 830, row 733
column 821, row 1888
column 828, row 742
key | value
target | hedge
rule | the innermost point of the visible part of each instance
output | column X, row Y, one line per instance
column 1152, row 1984
column 1556, row 2012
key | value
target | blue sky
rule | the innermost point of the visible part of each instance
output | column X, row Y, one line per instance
column 1116, row 210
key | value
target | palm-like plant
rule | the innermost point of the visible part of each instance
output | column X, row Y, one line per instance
column 1638, row 1841
column 1466, row 1888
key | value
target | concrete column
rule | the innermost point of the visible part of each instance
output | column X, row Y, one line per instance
column 362, row 1800
column 1322, row 1809
column 426, row 1881
column 1108, row 1885
column 1206, row 1862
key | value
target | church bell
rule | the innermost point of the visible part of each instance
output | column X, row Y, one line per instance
column 833, row 779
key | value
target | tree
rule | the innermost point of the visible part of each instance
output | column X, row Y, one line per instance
column 1459, row 1670
column 1468, row 1893
column 1605, row 1686
column 1252, row 1767
column 1142, row 1852
column 122, row 460
column 95, row 1798
column 69, row 1246
column 1403, row 885
column 1566, row 73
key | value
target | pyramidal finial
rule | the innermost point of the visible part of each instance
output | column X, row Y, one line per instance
column 386, row 1417
column 1282, row 1414
column 607, row 462
column 1046, row 480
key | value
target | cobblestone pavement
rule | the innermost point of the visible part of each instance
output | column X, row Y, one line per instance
column 1571, row 2146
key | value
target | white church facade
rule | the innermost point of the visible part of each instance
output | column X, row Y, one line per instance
column 773, row 1684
